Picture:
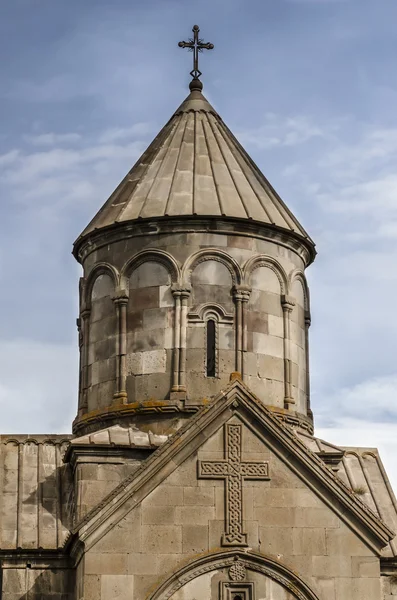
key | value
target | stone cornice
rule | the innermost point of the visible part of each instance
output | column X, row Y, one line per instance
column 220, row 225
column 116, row 411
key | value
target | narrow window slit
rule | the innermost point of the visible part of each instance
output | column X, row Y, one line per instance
column 211, row 348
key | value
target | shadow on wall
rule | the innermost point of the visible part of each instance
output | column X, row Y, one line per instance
column 38, row 584
column 54, row 498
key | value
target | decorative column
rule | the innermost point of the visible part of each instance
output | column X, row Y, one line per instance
column 307, row 325
column 85, row 324
column 183, row 334
column 288, row 303
column 181, row 296
column 241, row 296
column 177, row 335
column 80, row 342
column 121, row 300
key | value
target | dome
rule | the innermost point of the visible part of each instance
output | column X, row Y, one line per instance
column 195, row 167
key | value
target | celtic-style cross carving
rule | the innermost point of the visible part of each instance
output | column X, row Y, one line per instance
column 234, row 471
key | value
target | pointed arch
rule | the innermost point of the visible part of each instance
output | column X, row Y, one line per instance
column 262, row 260
column 212, row 254
column 253, row 561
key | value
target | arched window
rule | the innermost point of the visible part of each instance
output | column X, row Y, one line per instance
column 211, row 348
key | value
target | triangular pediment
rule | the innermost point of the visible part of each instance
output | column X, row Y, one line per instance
column 236, row 413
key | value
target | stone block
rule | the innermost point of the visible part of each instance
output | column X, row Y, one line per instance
column 196, row 337
column 226, row 336
column 275, row 540
column 166, row 495
column 154, row 361
column 270, row 367
column 142, row 564
column 144, row 298
column 117, row 587
column 331, row 566
column 257, row 321
column 276, row 326
column 309, row 541
column 156, row 318
column 365, row 566
column 343, row 542
column 194, row 515
column 267, row 344
column 166, row 299
column 195, row 538
column 195, row 496
column 265, row 302
column 134, row 363
column 161, row 539
column 159, row 515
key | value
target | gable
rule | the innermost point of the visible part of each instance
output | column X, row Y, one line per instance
column 176, row 453
column 187, row 515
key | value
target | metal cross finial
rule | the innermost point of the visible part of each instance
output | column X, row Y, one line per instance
column 196, row 45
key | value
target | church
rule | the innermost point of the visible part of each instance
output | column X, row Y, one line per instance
column 193, row 471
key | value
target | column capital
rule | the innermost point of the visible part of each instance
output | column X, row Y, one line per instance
column 85, row 313
column 120, row 296
column 180, row 291
column 241, row 292
column 287, row 302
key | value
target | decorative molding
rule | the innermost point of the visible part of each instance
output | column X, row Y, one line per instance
column 233, row 471
column 261, row 260
column 227, row 226
column 150, row 255
column 121, row 410
column 210, row 310
column 251, row 561
column 99, row 269
column 216, row 255
column 298, row 275
column 237, row 571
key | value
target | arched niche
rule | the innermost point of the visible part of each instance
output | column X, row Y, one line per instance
column 102, row 338
column 150, row 317
column 224, row 576
column 212, row 281
column 264, row 360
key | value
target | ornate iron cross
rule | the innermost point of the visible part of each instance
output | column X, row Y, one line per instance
column 233, row 470
column 196, row 45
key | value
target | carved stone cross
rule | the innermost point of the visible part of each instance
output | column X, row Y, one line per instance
column 234, row 471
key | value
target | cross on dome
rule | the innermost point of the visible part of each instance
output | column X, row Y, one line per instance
column 196, row 45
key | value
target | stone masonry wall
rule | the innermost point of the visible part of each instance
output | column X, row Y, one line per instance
column 254, row 289
column 184, row 517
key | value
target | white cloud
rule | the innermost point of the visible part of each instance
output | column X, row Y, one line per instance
column 278, row 130
column 51, row 139
column 38, row 388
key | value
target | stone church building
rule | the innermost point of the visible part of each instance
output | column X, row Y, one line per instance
column 193, row 471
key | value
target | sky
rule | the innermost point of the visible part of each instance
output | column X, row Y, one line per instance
column 310, row 89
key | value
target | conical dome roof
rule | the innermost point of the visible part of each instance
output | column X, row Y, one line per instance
column 195, row 166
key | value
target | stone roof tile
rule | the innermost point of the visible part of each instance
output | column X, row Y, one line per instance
column 195, row 166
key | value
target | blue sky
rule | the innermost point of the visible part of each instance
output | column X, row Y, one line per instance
column 310, row 89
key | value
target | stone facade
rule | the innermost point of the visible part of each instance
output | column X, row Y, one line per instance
column 193, row 472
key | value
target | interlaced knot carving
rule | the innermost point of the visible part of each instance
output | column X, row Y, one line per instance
column 233, row 470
